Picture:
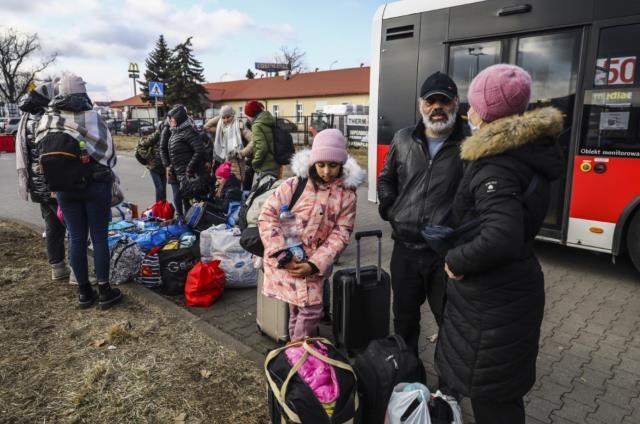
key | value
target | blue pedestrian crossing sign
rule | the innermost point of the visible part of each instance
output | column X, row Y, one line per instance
column 156, row 89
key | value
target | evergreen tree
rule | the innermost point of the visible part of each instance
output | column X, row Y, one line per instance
column 250, row 74
column 185, row 79
column 157, row 64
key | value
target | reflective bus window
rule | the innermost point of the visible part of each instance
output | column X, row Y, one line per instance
column 552, row 60
column 611, row 116
column 467, row 60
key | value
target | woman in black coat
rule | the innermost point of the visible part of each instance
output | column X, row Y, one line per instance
column 183, row 156
column 488, row 343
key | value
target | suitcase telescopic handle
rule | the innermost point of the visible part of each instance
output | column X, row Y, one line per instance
column 371, row 233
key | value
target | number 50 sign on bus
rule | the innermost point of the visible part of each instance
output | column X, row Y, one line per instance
column 616, row 70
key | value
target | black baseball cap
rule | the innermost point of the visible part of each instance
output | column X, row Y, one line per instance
column 439, row 83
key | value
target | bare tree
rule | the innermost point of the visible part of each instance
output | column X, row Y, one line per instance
column 15, row 74
column 294, row 58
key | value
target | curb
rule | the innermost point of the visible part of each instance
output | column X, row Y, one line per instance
column 226, row 340
column 149, row 297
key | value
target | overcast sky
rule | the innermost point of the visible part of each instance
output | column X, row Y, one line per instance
column 98, row 38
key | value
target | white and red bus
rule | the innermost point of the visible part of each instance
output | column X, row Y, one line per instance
column 583, row 58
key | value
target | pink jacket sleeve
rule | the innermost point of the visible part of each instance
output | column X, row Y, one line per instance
column 269, row 219
column 338, row 240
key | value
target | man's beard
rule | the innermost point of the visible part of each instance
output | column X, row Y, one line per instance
column 440, row 127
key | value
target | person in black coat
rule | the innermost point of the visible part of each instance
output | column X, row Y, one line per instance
column 32, row 183
column 488, row 342
column 416, row 187
column 182, row 155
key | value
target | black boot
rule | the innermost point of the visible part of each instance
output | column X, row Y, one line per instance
column 108, row 295
column 86, row 296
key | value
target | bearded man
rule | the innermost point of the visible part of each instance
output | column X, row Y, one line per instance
column 416, row 187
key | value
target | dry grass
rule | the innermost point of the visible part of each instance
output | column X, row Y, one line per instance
column 125, row 143
column 133, row 363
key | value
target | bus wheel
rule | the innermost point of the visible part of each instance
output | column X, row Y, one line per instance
column 633, row 240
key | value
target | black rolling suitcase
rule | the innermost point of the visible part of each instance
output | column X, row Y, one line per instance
column 361, row 301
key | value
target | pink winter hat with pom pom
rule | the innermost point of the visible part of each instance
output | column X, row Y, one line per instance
column 500, row 90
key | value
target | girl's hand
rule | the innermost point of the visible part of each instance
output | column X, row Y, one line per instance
column 298, row 269
column 451, row 274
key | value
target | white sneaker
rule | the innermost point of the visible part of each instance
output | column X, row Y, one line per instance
column 59, row 271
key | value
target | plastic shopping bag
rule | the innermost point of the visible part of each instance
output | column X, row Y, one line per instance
column 408, row 406
column 205, row 284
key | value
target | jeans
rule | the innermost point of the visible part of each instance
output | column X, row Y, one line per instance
column 507, row 412
column 181, row 205
column 160, row 184
column 415, row 276
column 87, row 212
column 55, row 231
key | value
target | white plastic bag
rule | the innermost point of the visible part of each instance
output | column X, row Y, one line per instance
column 221, row 243
column 453, row 404
column 399, row 403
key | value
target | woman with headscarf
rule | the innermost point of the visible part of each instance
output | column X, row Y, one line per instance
column 182, row 156
column 232, row 141
column 85, row 202
column 488, row 341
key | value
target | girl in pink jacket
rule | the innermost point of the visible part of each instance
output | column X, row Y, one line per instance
column 326, row 211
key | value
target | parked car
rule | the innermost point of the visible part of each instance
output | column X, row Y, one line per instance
column 137, row 126
column 114, row 124
column 9, row 125
column 287, row 125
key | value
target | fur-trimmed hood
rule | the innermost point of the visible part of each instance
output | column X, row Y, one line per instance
column 511, row 132
column 352, row 174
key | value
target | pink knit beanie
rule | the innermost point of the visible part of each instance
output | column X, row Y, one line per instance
column 500, row 90
column 329, row 146
column 224, row 170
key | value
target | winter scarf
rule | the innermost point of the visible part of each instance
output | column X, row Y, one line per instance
column 88, row 126
column 233, row 142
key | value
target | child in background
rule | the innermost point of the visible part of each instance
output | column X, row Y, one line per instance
column 326, row 211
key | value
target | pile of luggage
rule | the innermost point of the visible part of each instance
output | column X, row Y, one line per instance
column 313, row 381
column 198, row 258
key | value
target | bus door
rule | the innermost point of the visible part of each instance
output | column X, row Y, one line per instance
column 606, row 169
column 553, row 60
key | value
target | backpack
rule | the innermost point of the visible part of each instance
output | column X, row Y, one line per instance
column 126, row 261
column 250, row 237
column 383, row 364
column 283, row 149
column 250, row 209
column 293, row 399
column 61, row 163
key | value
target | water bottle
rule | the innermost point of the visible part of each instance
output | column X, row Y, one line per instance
column 84, row 154
column 291, row 232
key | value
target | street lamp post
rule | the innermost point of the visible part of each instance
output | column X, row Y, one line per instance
column 332, row 63
column 472, row 52
column 134, row 73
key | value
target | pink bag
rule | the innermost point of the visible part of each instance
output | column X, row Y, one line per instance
column 319, row 376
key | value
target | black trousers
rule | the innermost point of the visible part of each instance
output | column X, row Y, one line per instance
column 54, row 230
column 508, row 412
column 416, row 276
